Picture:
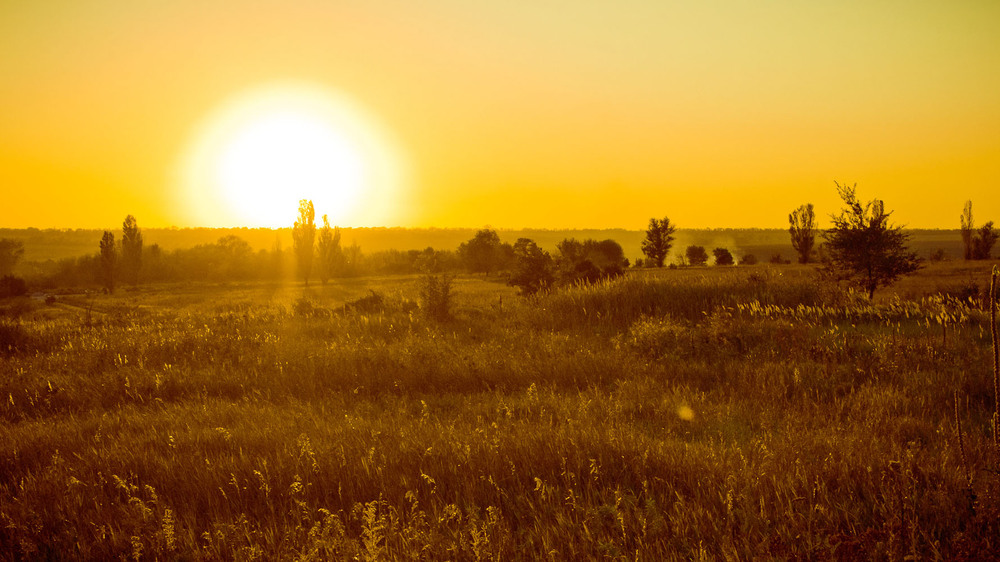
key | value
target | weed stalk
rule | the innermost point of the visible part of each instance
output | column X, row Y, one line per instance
column 996, row 361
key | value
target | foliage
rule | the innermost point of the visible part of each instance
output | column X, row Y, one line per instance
column 435, row 296
column 801, row 226
column 983, row 241
column 331, row 256
column 484, row 253
column 696, row 255
column 864, row 247
column 967, row 226
column 109, row 261
column 722, row 256
column 533, row 268
column 11, row 251
column 659, row 238
column 303, row 238
column 131, row 257
column 589, row 261
column 748, row 259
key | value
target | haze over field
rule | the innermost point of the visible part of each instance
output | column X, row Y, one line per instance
column 514, row 114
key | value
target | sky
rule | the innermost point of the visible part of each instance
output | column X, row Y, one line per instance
column 544, row 113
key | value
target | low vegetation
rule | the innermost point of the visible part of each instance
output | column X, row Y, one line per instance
column 663, row 414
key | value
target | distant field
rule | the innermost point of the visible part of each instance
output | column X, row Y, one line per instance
column 701, row 413
column 41, row 245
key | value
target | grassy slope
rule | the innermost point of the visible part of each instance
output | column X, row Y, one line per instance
column 662, row 416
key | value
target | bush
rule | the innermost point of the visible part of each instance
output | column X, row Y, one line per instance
column 696, row 255
column 435, row 296
column 722, row 256
column 532, row 270
column 748, row 259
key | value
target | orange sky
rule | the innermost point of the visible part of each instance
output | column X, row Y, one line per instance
column 551, row 114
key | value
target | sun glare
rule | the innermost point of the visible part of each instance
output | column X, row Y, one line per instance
column 264, row 151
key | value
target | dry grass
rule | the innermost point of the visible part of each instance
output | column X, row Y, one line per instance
column 744, row 413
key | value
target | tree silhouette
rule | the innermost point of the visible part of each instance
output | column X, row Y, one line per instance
column 303, row 238
column 659, row 238
column 11, row 252
column 109, row 260
column 801, row 225
column 590, row 260
column 483, row 253
column 696, row 255
column 722, row 256
column 532, row 271
column 331, row 256
column 983, row 241
column 863, row 247
column 967, row 226
column 131, row 250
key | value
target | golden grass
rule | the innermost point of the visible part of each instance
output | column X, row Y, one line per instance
column 744, row 413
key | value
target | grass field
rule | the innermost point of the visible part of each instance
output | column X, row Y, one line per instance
column 713, row 413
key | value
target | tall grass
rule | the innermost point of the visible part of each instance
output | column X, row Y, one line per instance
column 732, row 415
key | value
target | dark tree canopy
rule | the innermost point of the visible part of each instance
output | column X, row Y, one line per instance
column 331, row 256
column 590, row 260
column 659, row 239
column 304, row 237
column 532, row 269
column 484, row 253
column 696, row 255
column 863, row 247
column 722, row 256
column 11, row 252
column 109, row 260
column 131, row 250
column 983, row 241
column 968, row 225
column 802, row 227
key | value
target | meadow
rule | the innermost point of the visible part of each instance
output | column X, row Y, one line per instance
column 694, row 413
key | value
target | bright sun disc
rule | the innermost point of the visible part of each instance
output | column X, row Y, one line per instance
column 264, row 151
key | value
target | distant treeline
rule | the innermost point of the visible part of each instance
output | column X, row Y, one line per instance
column 52, row 245
column 231, row 258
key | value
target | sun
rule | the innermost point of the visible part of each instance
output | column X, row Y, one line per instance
column 262, row 152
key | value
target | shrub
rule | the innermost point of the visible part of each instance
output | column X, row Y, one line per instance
column 722, row 256
column 696, row 255
column 435, row 296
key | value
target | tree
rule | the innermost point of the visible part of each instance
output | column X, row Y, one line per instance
column 303, row 238
column 801, row 225
column 659, row 239
column 131, row 250
column 109, row 260
column 863, row 247
column 331, row 256
column 590, row 260
column 722, row 256
column 532, row 271
column 967, row 226
column 696, row 255
column 483, row 253
column 983, row 241
column 11, row 252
